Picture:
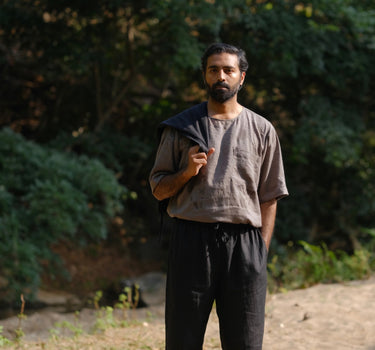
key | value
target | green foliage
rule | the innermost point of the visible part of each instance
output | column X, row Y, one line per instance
column 105, row 319
column 105, row 315
column 125, row 155
column 127, row 300
column 332, row 130
column 314, row 264
column 65, row 328
column 47, row 196
column 89, row 67
column 3, row 340
column 311, row 69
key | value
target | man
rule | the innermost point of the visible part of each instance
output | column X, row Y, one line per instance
column 219, row 165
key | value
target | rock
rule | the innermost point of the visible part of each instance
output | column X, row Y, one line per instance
column 151, row 289
column 62, row 299
column 152, row 285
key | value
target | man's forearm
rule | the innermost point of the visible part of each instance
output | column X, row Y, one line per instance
column 268, row 211
column 170, row 185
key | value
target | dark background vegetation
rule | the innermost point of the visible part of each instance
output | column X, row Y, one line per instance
column 84, row 84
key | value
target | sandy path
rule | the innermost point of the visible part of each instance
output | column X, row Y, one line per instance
column 323, row 317
column 335, row 316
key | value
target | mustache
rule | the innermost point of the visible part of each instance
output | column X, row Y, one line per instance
column 220, row 84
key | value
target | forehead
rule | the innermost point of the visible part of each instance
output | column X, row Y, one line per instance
column 223, row 60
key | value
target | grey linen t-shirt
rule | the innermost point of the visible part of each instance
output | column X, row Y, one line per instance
column 245, row 170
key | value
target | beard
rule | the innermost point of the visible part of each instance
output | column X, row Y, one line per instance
column 222, row 95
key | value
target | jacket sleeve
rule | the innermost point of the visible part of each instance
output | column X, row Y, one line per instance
column 166, row 161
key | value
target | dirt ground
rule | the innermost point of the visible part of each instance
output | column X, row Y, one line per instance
column 323, row 317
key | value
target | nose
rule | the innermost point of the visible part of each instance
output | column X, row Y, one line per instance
column 221, row 75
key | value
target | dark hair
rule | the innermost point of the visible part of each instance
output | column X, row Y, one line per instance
column 225, row 48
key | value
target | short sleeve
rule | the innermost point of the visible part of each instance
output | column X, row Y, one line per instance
column 272, row 183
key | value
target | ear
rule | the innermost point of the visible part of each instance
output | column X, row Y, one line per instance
column 243, row 74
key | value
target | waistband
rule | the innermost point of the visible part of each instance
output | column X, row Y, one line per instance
column 217, row 225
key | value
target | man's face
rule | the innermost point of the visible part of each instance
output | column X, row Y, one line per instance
column 223, row 77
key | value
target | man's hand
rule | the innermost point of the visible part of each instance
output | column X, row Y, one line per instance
column 197, row 160
column 172, row 184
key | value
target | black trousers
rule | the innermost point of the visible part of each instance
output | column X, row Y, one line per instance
column 225, row 263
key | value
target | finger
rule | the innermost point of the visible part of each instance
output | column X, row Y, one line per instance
column 194, row 149
column 210, row 151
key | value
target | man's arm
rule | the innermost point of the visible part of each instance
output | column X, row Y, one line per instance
column 171, row 184
column 268, row 211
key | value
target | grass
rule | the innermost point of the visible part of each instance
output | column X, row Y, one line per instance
column 131, row 338
column 112, row 326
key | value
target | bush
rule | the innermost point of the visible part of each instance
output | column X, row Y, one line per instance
column 125, row 155
column 311, row 264
column 47, row 196
column 131, row 159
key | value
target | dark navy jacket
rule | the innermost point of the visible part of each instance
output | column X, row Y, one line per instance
column 192, row 123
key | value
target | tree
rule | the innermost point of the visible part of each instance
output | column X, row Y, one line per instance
column 88, row 68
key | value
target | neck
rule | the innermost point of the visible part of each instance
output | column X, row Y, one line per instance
column 228, row 110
